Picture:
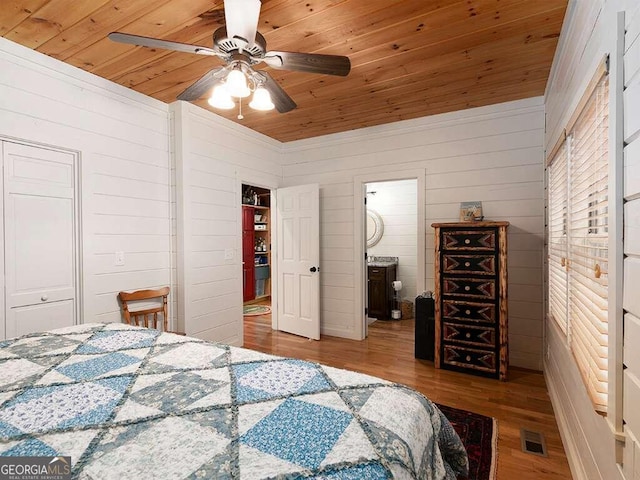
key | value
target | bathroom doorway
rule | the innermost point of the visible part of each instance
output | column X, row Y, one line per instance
column 391, row 247
column 390, row 240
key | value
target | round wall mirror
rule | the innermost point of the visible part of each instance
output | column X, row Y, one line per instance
column 375, row 227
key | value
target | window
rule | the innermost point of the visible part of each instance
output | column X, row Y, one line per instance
column 557, row 237
column 578, row 236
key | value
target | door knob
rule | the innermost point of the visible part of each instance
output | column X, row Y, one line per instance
column 313, row 269
column 44, row 298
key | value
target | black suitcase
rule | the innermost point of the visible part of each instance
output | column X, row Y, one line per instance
column 425, row 328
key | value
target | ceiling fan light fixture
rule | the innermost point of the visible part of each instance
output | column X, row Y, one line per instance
column 239, row 44
column 236, row 84
column 221, row 99
column 262, row 100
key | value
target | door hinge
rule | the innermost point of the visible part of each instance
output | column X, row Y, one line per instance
column 365, row 200
column 365, row 255
column 366, row 311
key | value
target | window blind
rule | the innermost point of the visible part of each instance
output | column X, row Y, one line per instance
column 557, row 237
column 588, row 234
column 578, row 236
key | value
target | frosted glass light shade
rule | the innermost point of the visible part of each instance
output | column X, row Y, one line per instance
column 236, row 84
column 261, row 100
column 221, row 99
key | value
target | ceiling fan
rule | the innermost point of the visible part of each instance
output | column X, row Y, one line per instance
column 242, row 47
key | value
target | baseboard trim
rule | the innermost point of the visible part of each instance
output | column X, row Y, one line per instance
column 573, row 456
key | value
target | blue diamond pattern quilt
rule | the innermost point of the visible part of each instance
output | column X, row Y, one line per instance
column 133, row 403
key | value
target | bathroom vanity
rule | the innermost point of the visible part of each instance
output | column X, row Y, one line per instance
column 382, row 272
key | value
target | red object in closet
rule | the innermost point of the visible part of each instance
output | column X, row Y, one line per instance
column 248, row 262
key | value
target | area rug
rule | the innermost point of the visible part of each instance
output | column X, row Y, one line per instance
column 253, row 310
column 479, row 435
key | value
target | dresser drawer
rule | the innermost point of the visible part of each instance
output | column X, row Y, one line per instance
column 469, row 287
column 469, row 334
column 469, row 240
column 469, row 311
column 476, row 264
column 473, row 358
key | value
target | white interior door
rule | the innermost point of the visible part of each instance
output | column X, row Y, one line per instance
column 298, row 253
column 39, row 243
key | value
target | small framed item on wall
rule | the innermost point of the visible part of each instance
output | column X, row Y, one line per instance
column 471, row 211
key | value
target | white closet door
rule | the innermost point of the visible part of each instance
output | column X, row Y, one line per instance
column 40, row 232
column 298, row 248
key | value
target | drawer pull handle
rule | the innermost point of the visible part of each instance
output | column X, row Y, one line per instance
column 467, row 288
column 44, row 298
column 467, row 264
column 468, row 358
column 468, row 312
column 468, row 335
column 467, row 241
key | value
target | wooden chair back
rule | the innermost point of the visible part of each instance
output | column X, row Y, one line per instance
column 141, row 318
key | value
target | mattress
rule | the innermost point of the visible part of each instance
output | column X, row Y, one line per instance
column 127, row 402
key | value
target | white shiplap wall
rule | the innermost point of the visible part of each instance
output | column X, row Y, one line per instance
column 123, row 140
column 589, row 32
column 631, row 303
column 493, row 154
column 213, row 158
column 396, row 202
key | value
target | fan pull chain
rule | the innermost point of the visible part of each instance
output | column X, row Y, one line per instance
column 240, row 116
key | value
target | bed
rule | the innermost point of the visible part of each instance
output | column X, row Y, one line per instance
column 127, row 402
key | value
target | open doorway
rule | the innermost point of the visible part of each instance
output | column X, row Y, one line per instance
column 256, row 251
column 406, row 222
column 280, row 244
column 391, row 249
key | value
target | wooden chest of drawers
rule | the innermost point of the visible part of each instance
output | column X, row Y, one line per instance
column 471, row 298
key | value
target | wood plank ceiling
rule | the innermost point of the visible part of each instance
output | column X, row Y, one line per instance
column 410, row 58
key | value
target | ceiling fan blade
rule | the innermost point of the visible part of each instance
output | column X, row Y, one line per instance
column 309, row 62
column 200, row 87
column 242, row 19
column 157, row 43
column 283, row 102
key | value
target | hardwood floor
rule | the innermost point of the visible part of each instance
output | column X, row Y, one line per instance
column 388, row 352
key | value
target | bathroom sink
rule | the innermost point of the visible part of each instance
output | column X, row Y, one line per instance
column 379, row 261
column 382, row 264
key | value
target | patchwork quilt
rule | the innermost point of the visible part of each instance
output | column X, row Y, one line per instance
column 133, row 403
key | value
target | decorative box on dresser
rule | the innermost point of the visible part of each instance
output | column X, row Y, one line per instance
column 471, row 298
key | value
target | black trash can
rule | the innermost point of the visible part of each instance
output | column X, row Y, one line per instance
column 425, row 328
